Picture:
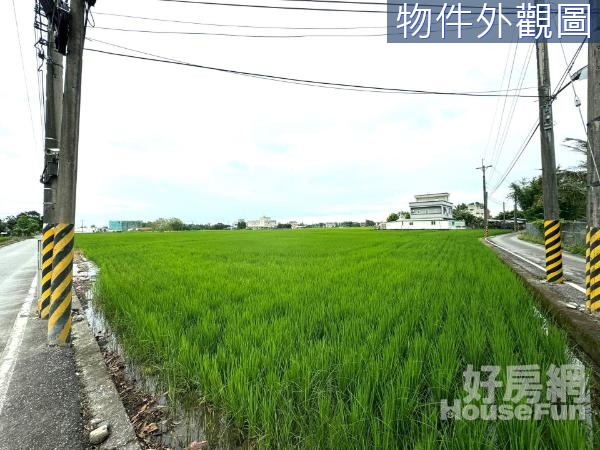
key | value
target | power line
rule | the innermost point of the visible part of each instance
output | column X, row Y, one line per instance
column 316, row 83
column 279, row 36
column 512, row 66
column 532, row 133
column 511, row 113
column 262, row 27
column 487, row 144
column 294, row 8
column 578, row 104
column 518, row 155
column 207, row 33
column 507, row 10
column 361, row 2
column 33, row 135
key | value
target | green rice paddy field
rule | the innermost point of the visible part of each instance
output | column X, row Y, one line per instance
column 340, row 339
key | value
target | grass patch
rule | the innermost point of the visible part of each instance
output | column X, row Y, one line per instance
column 577, row 249
column 340, row 339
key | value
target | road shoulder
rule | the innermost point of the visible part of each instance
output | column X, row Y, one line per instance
column 563, row 302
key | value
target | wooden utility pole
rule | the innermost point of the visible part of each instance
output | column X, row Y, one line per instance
column 503, row 214
column 54, row 99
column 554, row 272
column 59, row 323
column 593, row 191
column 485, row 199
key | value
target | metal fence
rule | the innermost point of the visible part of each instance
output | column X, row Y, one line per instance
column 573, row 233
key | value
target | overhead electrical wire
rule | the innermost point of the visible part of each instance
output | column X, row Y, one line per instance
column 316, row 83
column 502, row 119
column 33, row 131
column 39, row 44
column 262, row 27
column 513, row 108
column 487, row 144
column 537, row 123
column 506, row 10
column 363, row 2
column 569, row 66
column 209, row 33
column 293, row 8
column 517, row 156
column 279, row 36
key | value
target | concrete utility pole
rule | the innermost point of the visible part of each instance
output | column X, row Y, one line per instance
column 593, row 191
column 59, row 323
column 554, row 272
column 503, row 214
column 515, row 210
column 54, row 99
column 485, row 199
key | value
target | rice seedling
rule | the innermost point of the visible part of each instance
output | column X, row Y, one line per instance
column 330, row 338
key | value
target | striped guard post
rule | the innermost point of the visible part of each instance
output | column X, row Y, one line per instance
column 485, row 231
column 594, row 289
column 59, row 322
column 554, row 270
column 43, row 304
column 587, row 266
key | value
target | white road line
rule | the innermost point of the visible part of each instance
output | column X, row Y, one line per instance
column 11, row 351
column 543, row 269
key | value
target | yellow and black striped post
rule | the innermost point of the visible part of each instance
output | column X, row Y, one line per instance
column 587, row 266
column 485, row 231
column 59, row 322
column 43, row 305
column 594, row 270
column 554, row 270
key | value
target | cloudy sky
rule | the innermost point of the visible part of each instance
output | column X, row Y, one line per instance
column 162, row 140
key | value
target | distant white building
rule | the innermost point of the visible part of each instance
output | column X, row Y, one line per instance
column 262, row 222
column 427, row 212
column 476, row 209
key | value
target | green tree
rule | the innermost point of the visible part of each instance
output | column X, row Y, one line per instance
column 25, row 224
column 580, row 147
column 529, row 197
column 461, row 212
column 241, row 224
column 392, row 217
column 175, row 224
column 571, row 195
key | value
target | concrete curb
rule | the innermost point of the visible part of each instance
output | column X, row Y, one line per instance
column 103, row 400
column 583, row 328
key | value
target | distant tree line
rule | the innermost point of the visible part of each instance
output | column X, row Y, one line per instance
column 175, row 224
column 25, row 224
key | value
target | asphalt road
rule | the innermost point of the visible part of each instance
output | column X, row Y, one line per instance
column 573, row 265
column 17, row 268
column 40, row 406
